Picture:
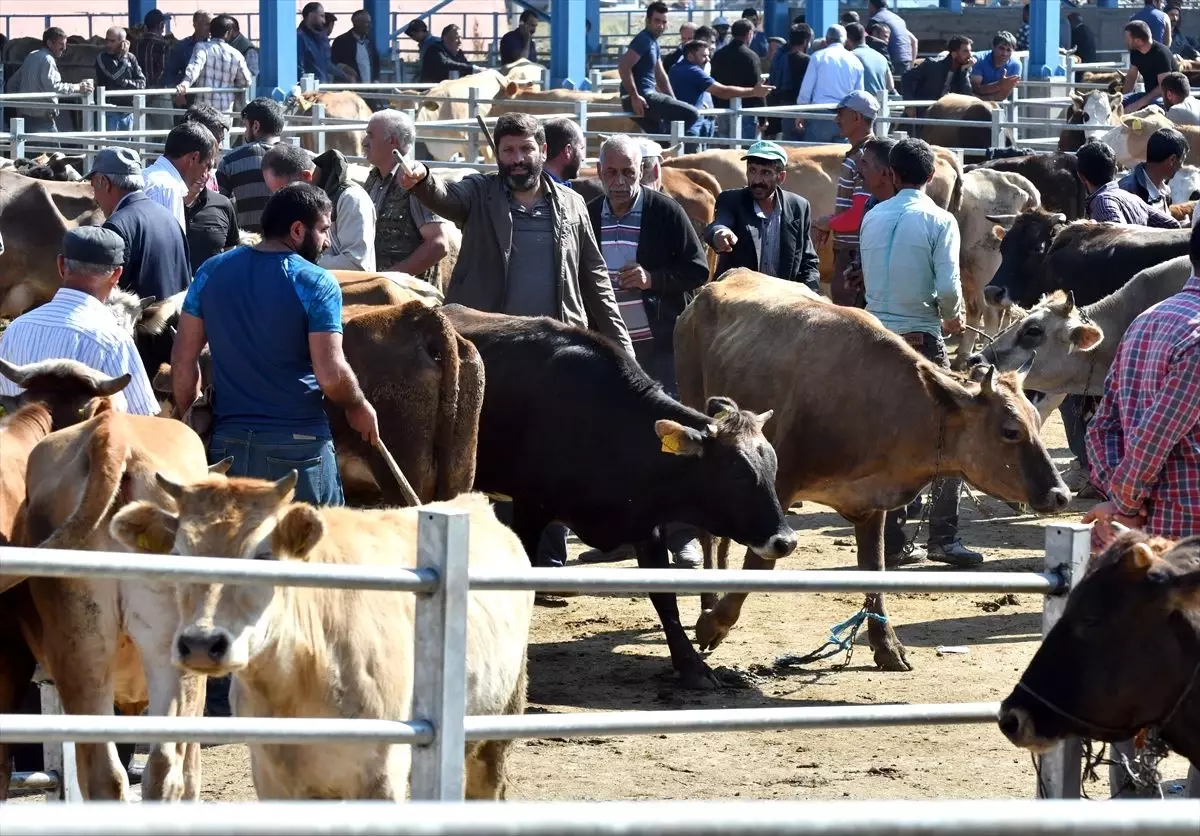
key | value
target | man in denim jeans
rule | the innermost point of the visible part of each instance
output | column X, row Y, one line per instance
column 273, row 322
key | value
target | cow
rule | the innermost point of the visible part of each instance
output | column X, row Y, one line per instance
column 1124, row 656
column 105, row 641
column 1043, row 252
column 1071, row 349
column 56, row 166
column 34, row 215
column 1128, row 140
column 433, row 106
column 1185, row 185
column 616, row 458
column 1055, row 176
column 338, row 104
column 862, row 424
column 385, row 289
column 309, row 652
column 598, row 104
column 959, row 108
column 1097, row 110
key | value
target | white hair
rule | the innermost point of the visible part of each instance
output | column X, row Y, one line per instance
column 75, row 267
column 626, row 145
column 397, row 126
column 120, row 32
column 125, row 182
column 835, row 34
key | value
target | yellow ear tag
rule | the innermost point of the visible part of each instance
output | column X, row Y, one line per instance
column 670, row 444
column 1137, row 124
column 3, row 412
column 143, row 542
column 722, row 415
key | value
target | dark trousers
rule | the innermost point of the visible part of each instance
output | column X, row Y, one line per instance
column 841, row 292
column 1076, row 412
column 271, row 455
column 943, row 514
column 552, row 545
column 661, row 111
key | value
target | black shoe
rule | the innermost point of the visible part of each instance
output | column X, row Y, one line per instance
column 955, row 554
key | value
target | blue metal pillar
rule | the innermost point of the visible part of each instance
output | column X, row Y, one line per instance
column 277, row 21
column 138, row 10
column 776, row 18
column 568, row 50
column 1044, row 19
column 381, row 27
column 820, row 15
column 952, row 5
column 593, row 36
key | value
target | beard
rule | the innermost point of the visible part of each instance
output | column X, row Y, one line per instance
column 308, row 249
column 571, row 171
column 521, row 177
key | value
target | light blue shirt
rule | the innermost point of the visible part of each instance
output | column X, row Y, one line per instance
column 909, row 249
column 833, row 73
column 875, row 70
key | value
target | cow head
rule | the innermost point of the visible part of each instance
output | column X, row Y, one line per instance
column 1123, row 655
column 1185, row 185
column 728, row 477
column 1056, row 333
column 71, row 391
column 991, row 436
column 1025, row 241
column 127, row 309
column 223, row 627
column 1097, row 109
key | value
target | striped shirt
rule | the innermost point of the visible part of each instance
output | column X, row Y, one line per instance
column 164, row 185
column 77, row 326
column 618, row 246
column 768, row 259
column 151, row 52
column 239, row 177
column 850, row 182
column 216, row 64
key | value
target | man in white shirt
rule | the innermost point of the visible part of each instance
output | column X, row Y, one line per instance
column 1181, row 108
column 76, row 325
column 190, row 154
column 833, row 73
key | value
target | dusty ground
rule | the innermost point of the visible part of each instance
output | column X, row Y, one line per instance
column 601, row 654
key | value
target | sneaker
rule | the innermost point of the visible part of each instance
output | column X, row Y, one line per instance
column 689, row 555
column 900, row 558
column 955, row 554
column 596, row 556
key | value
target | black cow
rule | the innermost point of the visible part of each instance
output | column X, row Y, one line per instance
column 573, row 430
column 1042, row 253
column 1125, row 656
column 1056, row 178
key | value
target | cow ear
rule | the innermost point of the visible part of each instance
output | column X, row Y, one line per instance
column 679, row 440
column 999, row 232
column 715, row 406
column 144, row 527
column 945, row 389
column 511, row 89
column 298, row 532
column 1142, row 556
column 1085, row 337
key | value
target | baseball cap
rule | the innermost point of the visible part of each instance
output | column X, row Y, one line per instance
column 769, row 151
column 123, row 161
column 94, row 245
column 720, row 22
column 155, row 17
column 650, row 148
column 861, row 102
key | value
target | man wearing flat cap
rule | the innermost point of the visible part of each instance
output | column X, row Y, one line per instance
column 156, row 252
column 76, row 325
column 762, row 226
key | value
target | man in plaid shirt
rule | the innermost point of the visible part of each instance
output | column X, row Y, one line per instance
column 1144, row 442
column 216, row 64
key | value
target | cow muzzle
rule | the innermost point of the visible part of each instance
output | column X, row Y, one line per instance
column 995, row 295
column 1016, row 723
column 781, row 544
column 204, row 650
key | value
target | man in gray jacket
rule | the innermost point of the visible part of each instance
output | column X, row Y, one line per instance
column 39, row 74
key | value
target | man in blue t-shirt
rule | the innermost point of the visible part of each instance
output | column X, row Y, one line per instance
column 273, row 323
column 690, row 83
column 1155, row 18
column 645, row 88
column 995, row 74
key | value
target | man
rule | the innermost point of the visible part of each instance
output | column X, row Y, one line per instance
column 211, row 224
column 1023, row 32
column 879, row 183
column 566, row 150
column 445, row 59
column 239, row 174
column 152, row 51
column 1156, row 21
column 76, row 325
column 1083, row 40
column 721, row 27
column 758, row 39
column 518, row 43
column 877, row 39
column 217, row 124
column 933, row 79
column 354, row 48
column 116, row 69
column 763, row 227
column 1181, row 107
column 645, row 88
column 691, row 83
column 651, row 164
column 787, row 76
column 181, row 55
column 1106, row 200
column 1149, row 60
column 245, row 46
column 351, row 233
column 902, row 44
column 1182, row 45
column 408, row 237
column 737, row 65
column 877, row 73
column 1144, row 441
column 855, row 116
column 273, row 323
column 1150, row 180
column 833, row 74
column 687, row 34
column 909, row 249
column 313, row 51
column 39, row 74
column 189, row 153
column 418, row 31
column 997, row 74
column 216, row 64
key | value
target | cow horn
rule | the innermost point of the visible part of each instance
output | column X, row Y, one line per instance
column 1058, row 218
column 1026, row 366
column 112, row 385
column 221, row 467
column 985, row 385
column 1004, row 220
column 16, row 374
column 173, row 489
column 763, row 417
column 287, row 484
column 1070, row 300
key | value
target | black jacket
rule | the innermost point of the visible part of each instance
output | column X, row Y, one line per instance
column 737, row 65
column 345, row 51
column 438, row 63
column 797, row 256
column 156, row 253
column 930, row 80
column 669, row 250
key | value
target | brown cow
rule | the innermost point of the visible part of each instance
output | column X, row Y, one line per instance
column 1097, row 110
column 958, row 107
column 339, row 104
column 384, row 289
column 597, row 103
column 861, row 425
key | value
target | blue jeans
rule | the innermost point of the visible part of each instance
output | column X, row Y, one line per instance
column 1130, row 98
column 271, row 455
column 821, row 130
column 118, row 121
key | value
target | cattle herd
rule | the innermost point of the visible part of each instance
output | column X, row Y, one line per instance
column 783, row 397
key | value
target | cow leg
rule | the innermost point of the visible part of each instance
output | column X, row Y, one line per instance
column 694, row 674
column 889, row 653
column 714, row 625
column 708, row 600
column 16, row 670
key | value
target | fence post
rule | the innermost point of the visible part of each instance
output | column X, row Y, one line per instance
column 308, row 83
column 581, row 116
column 1068, row 547
column 997, row 115
column 139, row 113
column 58, row 758
column 473, row 130
column 735, row 113
column 439, row 663
column 883, row 125
column 596, row 81
column 676, row 134
column 16, row 127
column 318, row 118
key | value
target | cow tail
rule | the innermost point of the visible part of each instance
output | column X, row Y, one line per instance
column 459, row 476
column 108, row 455
column 443, row 439
column 956, row 194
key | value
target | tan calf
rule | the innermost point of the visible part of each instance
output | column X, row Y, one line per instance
column 305, row 652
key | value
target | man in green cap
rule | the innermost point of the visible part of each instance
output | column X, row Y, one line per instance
column 763, row 227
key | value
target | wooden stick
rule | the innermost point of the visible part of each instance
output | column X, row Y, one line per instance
column 410, row 496
column 483, row 127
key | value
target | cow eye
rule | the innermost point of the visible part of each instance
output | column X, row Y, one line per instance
column 1010, row 434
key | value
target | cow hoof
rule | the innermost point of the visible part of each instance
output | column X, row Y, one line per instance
column 698, row 676
column 892, row 657
column 710, row 632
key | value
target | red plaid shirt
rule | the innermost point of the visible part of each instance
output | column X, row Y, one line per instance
column 1144, row 442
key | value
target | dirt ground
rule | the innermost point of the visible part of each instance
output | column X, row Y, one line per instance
column 607, row 653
